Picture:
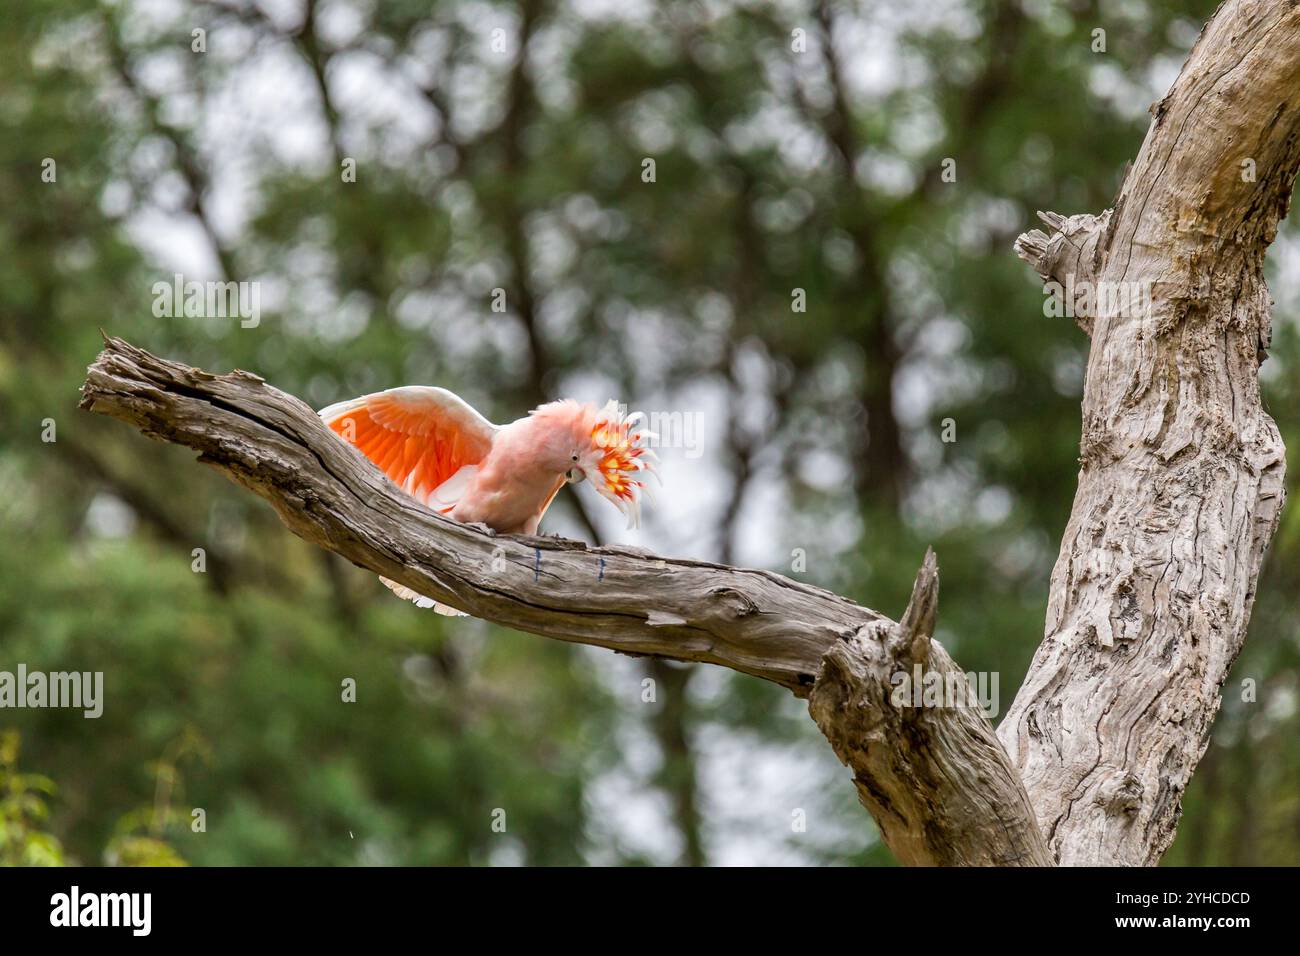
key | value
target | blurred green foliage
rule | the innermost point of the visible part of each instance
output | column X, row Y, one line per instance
column 24, row 812
column 776, row 169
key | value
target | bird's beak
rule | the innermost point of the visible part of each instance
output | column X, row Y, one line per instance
column 574, row 475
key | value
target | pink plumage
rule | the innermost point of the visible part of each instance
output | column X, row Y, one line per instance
column 441, row 451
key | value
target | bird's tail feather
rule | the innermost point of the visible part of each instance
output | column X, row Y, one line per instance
column 419, row 600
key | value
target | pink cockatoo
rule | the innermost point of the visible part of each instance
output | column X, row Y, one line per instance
column 438, row 449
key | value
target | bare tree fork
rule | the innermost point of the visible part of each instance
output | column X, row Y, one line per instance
column 956, row 784
column 1181, row 479
column 936, row 779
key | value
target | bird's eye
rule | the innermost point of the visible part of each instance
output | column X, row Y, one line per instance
column 575, row 457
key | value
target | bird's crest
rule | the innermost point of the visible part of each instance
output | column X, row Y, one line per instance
column 622, row 458
column 625, row 458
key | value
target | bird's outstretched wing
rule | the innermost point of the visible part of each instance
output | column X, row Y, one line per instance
column 420, row 437
column 427, row 440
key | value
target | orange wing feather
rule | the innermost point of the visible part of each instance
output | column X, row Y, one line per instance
column 418, row 436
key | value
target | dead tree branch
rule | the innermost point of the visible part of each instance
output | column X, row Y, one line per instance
column 755, row 622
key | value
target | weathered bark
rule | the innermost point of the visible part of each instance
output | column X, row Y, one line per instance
column 925, row 786
column 755, row 622
column 1181, row 477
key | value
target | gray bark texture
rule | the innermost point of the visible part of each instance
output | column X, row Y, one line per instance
column 1180, row 488
column 631, row 601
column 1181, row 479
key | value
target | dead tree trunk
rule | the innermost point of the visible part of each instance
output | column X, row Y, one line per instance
column 1181, row 478
column 1179, row 494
